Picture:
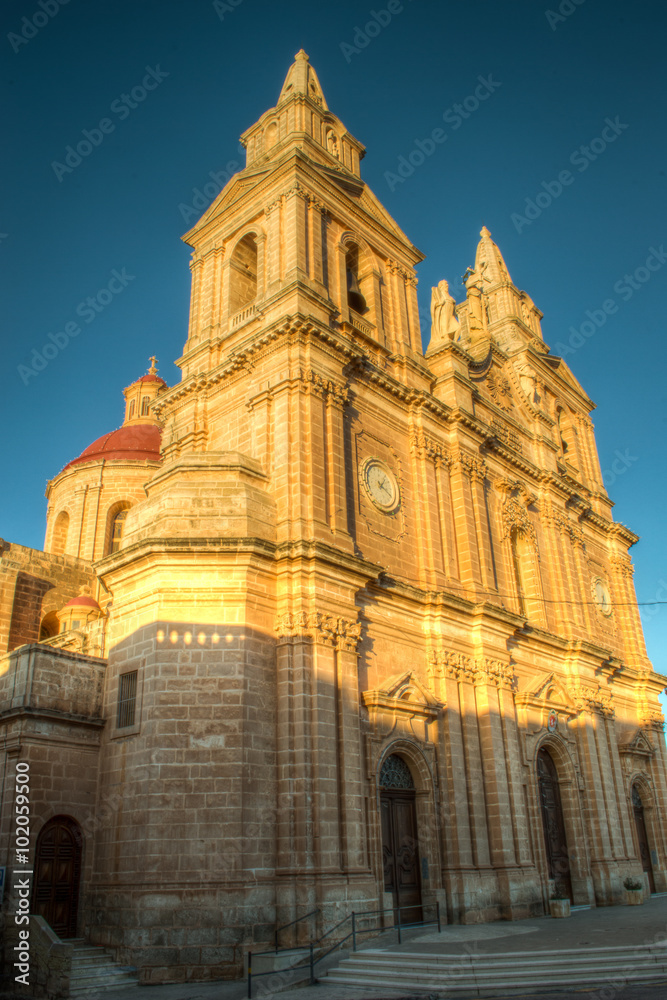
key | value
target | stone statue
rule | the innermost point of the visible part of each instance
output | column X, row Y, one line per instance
column 444, row 324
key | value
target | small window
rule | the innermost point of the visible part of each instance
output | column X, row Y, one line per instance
column 117, row 530
column 127, row 699
column 133, row 406
column 144, row 406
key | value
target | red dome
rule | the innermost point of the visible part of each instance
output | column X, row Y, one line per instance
column 150, row 377
column 83, row 600
column 140, row 442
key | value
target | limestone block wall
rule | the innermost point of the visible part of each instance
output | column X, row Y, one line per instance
column 33, row 584
column 184, row 871
column 51, row 703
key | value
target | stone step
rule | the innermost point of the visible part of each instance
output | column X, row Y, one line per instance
column 83, row 984
column 91, row 958
column 452, row 974
column 93, row 990
column 94, row 969
column 500, row 973
column 472, row 987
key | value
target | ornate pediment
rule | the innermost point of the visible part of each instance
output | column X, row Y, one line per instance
column 547, row 692
column 636, row 743
column 403, row 693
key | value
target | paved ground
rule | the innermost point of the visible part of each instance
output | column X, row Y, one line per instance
column 604, row 927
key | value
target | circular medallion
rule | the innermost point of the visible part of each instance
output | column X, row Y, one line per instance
column 380, row 484
column 602, row 596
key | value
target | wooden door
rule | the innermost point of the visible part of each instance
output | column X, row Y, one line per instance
column 58, row 875
column 552, row 822
column 642, row 838
column 400, row 853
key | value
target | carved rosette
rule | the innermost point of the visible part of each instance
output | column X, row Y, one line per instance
column 319, row 628
column 500, row 389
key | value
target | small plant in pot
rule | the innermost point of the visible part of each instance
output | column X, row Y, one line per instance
column 559, row 904
column 634, row 891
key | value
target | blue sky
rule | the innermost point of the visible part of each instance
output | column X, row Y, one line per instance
column 196, row 75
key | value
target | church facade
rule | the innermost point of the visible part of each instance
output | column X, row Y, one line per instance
column 332, row 623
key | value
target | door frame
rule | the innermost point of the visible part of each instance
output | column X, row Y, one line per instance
column 421, row 761
column 565, row 879
column 391, row 795
column 643, row 794
column 77, row 833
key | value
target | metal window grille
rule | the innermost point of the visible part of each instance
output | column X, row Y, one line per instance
column 395, row 773
column 127, row 699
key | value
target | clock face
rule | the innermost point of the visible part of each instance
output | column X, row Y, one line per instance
column 602, row 597
column 381, row 485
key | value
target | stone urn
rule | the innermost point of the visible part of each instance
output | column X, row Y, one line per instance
column 559, row 907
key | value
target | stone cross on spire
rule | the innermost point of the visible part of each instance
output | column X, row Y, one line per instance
column 152, row 370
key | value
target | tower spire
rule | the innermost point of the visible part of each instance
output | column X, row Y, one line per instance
column 302, row 79
column 489, row 263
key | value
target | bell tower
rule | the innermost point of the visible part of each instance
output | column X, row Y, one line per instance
column 297, row 232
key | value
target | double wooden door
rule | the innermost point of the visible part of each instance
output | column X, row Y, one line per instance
column 58, row 875
column 400, row 854
column 553, row 823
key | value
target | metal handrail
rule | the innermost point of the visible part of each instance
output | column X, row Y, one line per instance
column 312, row 960
column 291, row 924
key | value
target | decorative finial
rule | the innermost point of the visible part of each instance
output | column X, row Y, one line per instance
column 485, row 232
column 152, row 370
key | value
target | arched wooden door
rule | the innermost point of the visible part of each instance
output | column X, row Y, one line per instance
column 552, row 822
column 58, row 875
column 400, row 854
column 642, row 838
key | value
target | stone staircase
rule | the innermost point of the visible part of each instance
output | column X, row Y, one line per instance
column 509, row 973
column 94, row 970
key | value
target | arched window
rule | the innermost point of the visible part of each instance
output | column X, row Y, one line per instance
column 560, row 416
column 355, row 298
column 60, row 529
column 271, row 135
column 144, row 406
column 243, row 274
column 133, row 406
column 116, row 526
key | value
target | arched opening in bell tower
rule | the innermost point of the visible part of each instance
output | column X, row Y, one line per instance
column 243, row 274
column 355, row 297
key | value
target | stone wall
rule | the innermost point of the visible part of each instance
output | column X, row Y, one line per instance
column 32, row 584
